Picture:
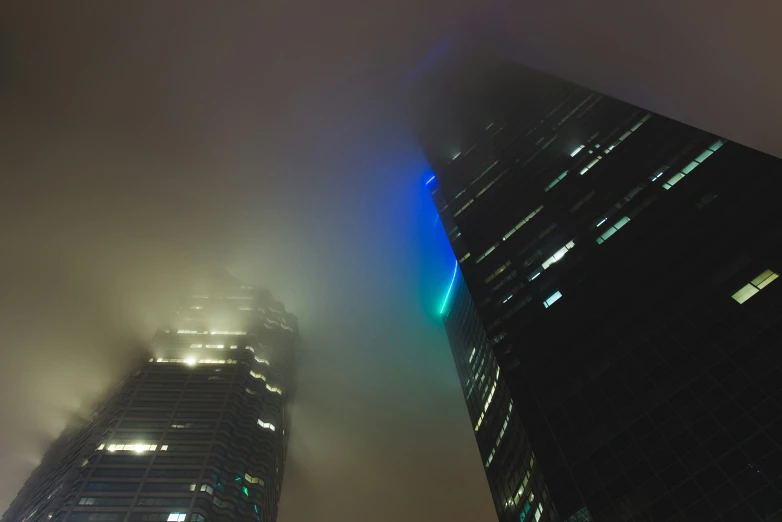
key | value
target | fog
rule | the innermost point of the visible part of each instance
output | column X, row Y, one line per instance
column 142, row 141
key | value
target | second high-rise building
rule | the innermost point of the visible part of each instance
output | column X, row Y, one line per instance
column 197, row 433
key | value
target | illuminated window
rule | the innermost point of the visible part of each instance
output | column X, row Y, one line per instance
column 659, row 172
column 756, row 285
column 253, row 480
column 463, row 208
column 576, row 150
column 522, row 222
column 472, row 354
column 176, row 517
column 497, row 272
column 266, row 425
column 491, row 396
column 538, row 512
column 491, row 457
column 590, row 165
column 553, row 298
column 480, row 421
column 525, row 511
column 673, row 180
column 559, row 254
column 556, row 180
column 504, row 426
column 464, row 257
column 613, row 229
column 483, row 256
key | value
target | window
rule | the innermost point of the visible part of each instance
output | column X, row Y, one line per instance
column 581, row 201
column 613, row 229
column 756, row 285
column 553, row 298
column 490, row 397
column 590, row 165
column 176, row 517
column 266, row 425
column 520, row 224
column 166, row 502
column 483, row 256
column 480, row 421
column 538, row 512
column 105, row 501
column 559, row 254
column 714, row 147
column 96, row 517
column 491, row 457
column 525, row 511
column 111, row 486
column 463, row 207
column 556, row 180
column 576, row 150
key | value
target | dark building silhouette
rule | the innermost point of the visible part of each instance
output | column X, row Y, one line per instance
column 198, row 432
column 622, row 268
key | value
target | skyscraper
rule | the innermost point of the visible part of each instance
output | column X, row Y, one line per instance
column 622, row 268
column 197, row 432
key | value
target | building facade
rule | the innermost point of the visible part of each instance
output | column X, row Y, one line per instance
column 198, row 432
column 622, row 266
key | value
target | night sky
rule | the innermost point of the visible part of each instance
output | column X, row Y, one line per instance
column 142, row 141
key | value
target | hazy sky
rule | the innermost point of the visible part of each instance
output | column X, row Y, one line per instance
column 139, row 140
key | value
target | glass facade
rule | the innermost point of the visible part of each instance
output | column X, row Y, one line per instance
column 516, row 482
column 623, row 265
column 197, row 432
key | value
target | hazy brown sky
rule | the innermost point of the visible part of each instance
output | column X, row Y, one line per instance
column 139, row 140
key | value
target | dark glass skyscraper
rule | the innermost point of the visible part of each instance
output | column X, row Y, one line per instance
column 626, row 325
column 196, row 433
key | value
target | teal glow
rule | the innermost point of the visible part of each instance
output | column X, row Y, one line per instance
column 450, row 287
column 245, row 491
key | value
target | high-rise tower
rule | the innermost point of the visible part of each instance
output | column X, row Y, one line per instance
column 622, row 267
column 196, row 433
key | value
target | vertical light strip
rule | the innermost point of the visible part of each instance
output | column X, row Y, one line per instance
column 450, row 287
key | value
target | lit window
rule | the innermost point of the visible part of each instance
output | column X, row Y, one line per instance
column 491, row 457
column 266, row 425
column 559, row 254
column 274, row 389
column 483, row 256
column 590, row 165
column 480, row 421
column 525, row 511
column 523, row 221
column 613, row 229
column 553, row 298
column 576, row 150
column 504, row 426
column 176, row 517
column 464, row 207
column 538, row 512
column 691, row 166
column 556, row 180
column 464, row 258
column 472, row 354
column 491, row 396
column 756, row 285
